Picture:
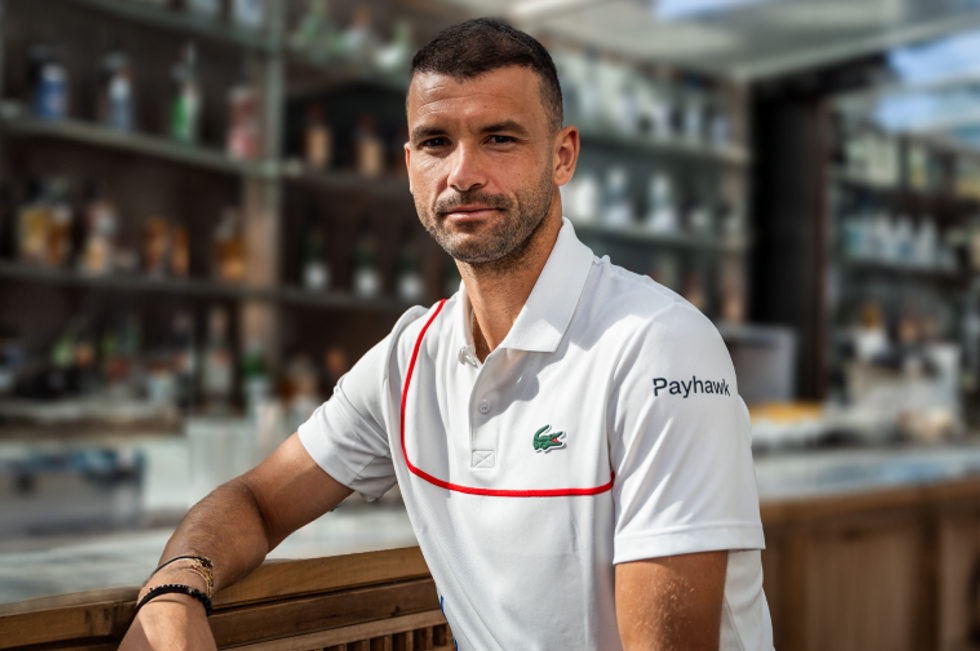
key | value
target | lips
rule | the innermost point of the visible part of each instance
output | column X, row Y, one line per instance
column 470, row 213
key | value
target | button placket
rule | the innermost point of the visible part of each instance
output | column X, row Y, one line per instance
column 482, row 440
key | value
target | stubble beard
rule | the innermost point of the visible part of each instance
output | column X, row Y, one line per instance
column 510, row 235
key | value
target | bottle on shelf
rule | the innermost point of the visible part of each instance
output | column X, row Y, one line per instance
column 229, row 248
column 249, row 14
column 618, row 210
column 926, row 252
column 185, row 114
column 314, row 34
column 661, row 212
column 396, row 56
column 409, row 283
column 719, row 125
column 580, row 197
column 661, row 120
column 33, row 224
column 317, row 138
column 731, row 285
column 359, row 41
column 157, row 247
column 180, row 252
column 116, row 101
column 244, row 141
column 184, row 354
column 48, row 80
column 256, row 383
column 101, row 225
column 699, row 217
column 301, row 393
column 366, row 278
column 44, row 225
column 316, row 271
column 218, row 365
column 694, row 113
column 368, row 148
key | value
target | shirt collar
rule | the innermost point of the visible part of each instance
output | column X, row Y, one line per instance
column 543, row 320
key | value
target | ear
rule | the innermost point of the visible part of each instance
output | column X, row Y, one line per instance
column 408, row 164
column 565, row 154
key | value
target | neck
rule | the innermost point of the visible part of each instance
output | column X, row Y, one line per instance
column 498, row 290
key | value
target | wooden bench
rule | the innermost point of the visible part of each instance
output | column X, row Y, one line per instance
column 379, row 601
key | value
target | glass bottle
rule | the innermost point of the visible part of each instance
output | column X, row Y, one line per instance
column 218, row 368
column 116, row 102
column 185, row 113
column 229, row 248
column 244, row 132
column 367, row 280
column 409, row 283
column 369, row 149
column 101, row 224
column 48, row 79
column 317, row 138
column 316, row 272
column 256, row 383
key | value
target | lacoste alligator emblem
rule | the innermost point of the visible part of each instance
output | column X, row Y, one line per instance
column 543, row 441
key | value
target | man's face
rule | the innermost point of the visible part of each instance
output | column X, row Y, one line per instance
column 480, row 161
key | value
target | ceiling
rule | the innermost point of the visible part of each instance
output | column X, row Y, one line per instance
column 743, row 39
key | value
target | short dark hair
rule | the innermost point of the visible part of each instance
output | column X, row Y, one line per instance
column 481, row 45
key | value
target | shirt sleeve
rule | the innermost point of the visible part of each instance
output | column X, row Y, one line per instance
column 680, row 444
column 346, row 435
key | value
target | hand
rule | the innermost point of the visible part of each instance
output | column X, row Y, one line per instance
column 171, row 622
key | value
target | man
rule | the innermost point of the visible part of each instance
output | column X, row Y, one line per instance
column 567, row 436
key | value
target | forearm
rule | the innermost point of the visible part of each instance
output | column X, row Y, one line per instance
column 227, row 527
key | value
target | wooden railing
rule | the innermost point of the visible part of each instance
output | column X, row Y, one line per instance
column 896, row 569
column 380, row 601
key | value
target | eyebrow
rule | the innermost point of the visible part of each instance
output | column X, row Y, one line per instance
column 423, row 132
column 506, row 125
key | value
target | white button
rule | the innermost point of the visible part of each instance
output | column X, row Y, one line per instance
column 484, row 407
column 466, row 357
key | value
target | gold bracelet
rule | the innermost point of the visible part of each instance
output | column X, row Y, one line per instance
column 204, row 573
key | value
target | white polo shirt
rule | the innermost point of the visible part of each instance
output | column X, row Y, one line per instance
column 605, row 428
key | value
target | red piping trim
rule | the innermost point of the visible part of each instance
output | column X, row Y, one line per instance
column 470, row 490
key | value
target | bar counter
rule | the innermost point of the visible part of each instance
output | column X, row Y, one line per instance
column 866, row 549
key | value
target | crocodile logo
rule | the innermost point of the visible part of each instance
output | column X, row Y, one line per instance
column 543, row 441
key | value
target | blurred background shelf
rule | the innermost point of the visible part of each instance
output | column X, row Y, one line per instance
column 184, row 23
column 339, row 300
column 904, row 269
column 388, row 187
column 596, row 135
column 77, row 131
column 186, row 287
column 641, row 235
column 133, row 283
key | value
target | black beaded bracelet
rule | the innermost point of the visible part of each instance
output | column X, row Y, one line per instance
column 171, row 588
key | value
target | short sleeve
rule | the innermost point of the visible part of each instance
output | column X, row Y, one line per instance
column 346, row 435
column 680, row 443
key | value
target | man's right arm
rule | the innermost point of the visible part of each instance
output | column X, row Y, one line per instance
column 235, row 526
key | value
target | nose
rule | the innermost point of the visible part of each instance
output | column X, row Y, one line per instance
column 467, row 168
